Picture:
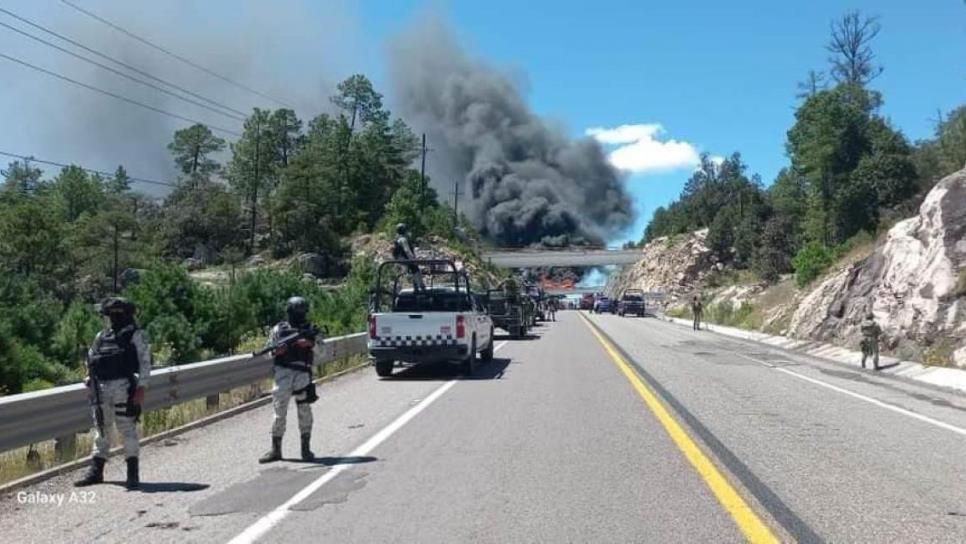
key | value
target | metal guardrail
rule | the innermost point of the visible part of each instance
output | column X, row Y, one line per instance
column 43, row 415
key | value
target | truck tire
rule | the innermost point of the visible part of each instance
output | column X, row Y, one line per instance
column 487, row 354
column 469, row 364
column 384, row 368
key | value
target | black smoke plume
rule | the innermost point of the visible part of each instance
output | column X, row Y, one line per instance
column 525, row 181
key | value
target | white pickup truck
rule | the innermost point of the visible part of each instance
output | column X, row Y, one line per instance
column 441, row 320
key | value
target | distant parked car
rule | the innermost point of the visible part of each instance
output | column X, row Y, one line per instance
column 602, row 305
column 631, row 303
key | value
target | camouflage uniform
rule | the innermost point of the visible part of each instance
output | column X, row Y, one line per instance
column 870, row 340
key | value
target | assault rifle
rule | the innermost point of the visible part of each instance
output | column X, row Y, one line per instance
column 309, row 333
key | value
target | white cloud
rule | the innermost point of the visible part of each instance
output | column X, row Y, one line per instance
column 640, row 151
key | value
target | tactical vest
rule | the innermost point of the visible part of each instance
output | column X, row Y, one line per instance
column 399, row 251
column 294, row 357
column 114, row 357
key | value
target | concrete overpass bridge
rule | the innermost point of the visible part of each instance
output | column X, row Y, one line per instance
column 527, row 258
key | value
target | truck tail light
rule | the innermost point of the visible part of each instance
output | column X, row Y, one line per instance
column 372, row 326
column 460, row 326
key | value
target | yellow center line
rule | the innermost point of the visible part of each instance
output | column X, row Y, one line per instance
column 748, row 522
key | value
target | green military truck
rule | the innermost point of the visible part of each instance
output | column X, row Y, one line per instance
column 507, row 309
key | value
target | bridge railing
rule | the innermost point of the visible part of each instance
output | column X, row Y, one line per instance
column 27, row 418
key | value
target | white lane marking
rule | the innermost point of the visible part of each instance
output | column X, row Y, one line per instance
column 265, row 524
column 870, row 400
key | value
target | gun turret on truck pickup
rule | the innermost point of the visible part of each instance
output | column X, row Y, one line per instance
column 442, row 321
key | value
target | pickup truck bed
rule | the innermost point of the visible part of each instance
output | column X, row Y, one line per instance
column 430, row 327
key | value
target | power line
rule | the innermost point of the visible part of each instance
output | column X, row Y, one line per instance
column 174, row 55
column 119, row 73
column 134, row 69
column 114, row 95
column 90, row 170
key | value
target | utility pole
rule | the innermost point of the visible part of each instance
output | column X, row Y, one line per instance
column 258, row 131
column 456, row 203
column 116, row 250
column 422, row 173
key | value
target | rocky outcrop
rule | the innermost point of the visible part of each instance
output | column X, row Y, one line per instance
column 912, row 284
column 673, row 265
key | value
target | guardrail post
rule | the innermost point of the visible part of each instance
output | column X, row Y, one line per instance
column 65, row 447
column 211, row 402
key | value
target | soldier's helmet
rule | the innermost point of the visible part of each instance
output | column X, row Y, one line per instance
column 117, row 307
column 401, row 229
column 297, row 309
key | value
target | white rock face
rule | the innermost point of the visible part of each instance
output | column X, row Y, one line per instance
column 675, row 266
column 909, row 282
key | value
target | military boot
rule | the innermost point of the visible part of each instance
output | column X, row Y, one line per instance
column 274, row 454
column 133, row 476
column 95, row 474
column 307, row 454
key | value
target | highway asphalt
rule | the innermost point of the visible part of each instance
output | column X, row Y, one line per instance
column 627, row 430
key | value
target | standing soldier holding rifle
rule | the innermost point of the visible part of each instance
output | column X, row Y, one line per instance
column 118, row 366
column 292, row 344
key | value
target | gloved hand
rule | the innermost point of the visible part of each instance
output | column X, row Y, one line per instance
column 279, row 351
column 304, row 343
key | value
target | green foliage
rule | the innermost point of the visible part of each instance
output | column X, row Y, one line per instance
column 78, row 192
column 75, row 330
column 32, row 237
column 21, row 179
column 810, row 262
column 203, row 214
column 359, row 100
column 191, row 147
column 175, row 311
column 721, row 197
column 773, row 255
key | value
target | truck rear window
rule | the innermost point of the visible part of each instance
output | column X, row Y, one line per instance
column 432, row 302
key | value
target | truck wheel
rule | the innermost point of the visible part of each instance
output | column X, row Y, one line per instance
column 384, row 368
column 469, row 364
column 487, row 354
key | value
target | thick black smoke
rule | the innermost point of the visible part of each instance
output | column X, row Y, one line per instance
column 525, row 181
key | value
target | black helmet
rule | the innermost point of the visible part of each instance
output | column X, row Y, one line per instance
column 401, row 228
column 297, row 309
column 117, row 307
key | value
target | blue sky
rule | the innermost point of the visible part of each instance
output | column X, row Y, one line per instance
column 717, row 76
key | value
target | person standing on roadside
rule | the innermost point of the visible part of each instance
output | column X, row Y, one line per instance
column 292, row 344
column 697, row 309
column 118, row 366
column 870, row 340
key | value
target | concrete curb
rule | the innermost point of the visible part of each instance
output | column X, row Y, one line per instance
column 951, row 378
column 208, row 420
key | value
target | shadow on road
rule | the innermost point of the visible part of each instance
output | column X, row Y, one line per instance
column 333, row 461
column 497, row 337
column 167, row 487
column 448, row 371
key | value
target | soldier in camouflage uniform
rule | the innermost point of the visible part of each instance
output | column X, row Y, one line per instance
column 870, row 340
